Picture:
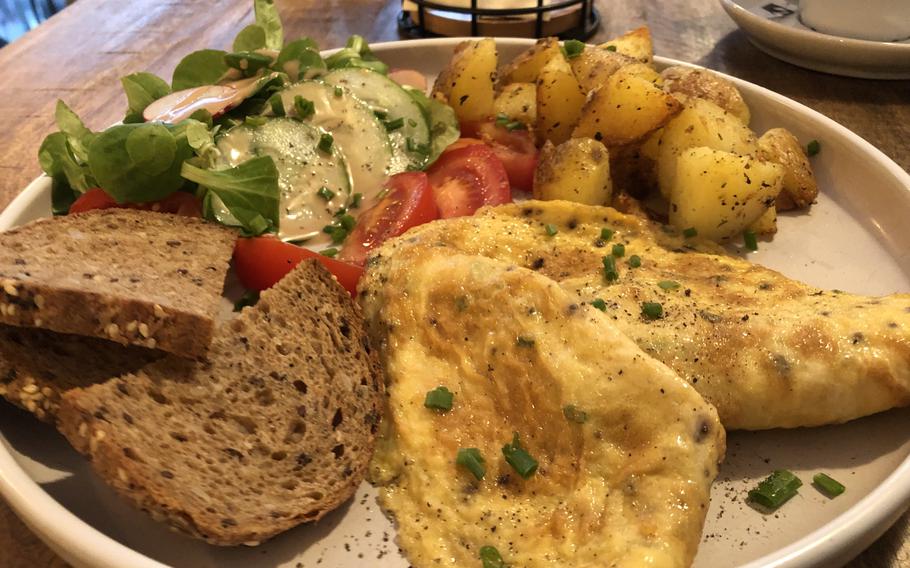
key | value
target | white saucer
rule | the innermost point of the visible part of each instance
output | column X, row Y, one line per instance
column 774, row 27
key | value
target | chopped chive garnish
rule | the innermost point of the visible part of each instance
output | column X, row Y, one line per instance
column 524, row 341
column 439, row 398
column 828, row 485
column 610, row 272
column 338, row 233
column 471, row 459
column 611, row 48
column 517, row 457
column 380, row 114
column 515, row 125
column 338, row 91
column 573, row 414
column 329, row 252
column 325, row 193
column 410, row 144
column 599, row 304
column 635, row 261
column 606, row 234
column 573, row 48
column 502, row 119
column 355, row 200
column 412, row 123
column 347, row 222
column 619, row 250
column 776, row 489
column 304, row 107
column 326, row 142
column 812, row 148
column 277, row 105
column 551, row 229
column 391, row 125
column 690, row 232
column 255, row 121
column 652, row 310
column 341, row 211
column 750, row 240
column 668, row 284
column 491, row 557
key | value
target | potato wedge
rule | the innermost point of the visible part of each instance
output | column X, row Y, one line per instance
column 800, row 188
column 559, row 101
column 720, row 194
column 704, row 84
column 518, row 101
column 767, row 223
column 593, row 66
column 577, row 170
column 527, row 65
column 625, row 110
column 636, row 44
column 641, row 70
column 701, row 123
column 467, row 82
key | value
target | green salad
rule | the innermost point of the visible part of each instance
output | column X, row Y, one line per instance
column 269, row 137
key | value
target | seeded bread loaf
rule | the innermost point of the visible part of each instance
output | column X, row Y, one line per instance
column 134, row 277
column 37, row 366
column 273, row 430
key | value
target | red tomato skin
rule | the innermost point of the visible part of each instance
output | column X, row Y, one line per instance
column 177, row 203
column 260, row 262
column 410, row 78
column 516, row 150
column 466, row 178
column 408, row 203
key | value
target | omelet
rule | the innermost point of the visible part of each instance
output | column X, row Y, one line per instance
column 765, row 350
column 583, row 450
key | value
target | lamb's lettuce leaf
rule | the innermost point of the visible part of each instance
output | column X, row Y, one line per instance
column 297, row 57
column 250, row 38
column 142, row 89
column 203, row 67
column 248, row 191
column 356, row 53
column 268, row 19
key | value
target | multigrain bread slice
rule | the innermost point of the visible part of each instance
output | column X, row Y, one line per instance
column 134, row 277
column 37, row 366
column 273, row 430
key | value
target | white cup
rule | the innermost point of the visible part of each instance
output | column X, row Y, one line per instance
column 879, row 20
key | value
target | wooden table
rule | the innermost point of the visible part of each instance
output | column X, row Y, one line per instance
column 80, row 54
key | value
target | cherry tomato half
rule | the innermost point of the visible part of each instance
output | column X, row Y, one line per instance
column 514, row 148
column 408, row 203
column 177, row 203
column 261, row 262
column 466, row 178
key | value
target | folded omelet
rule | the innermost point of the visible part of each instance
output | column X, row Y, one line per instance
column 625, row 450
column 765, row 350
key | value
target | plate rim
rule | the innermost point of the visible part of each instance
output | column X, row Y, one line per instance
column 81, row 543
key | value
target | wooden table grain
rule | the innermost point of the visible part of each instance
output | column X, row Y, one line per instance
column 79, row 55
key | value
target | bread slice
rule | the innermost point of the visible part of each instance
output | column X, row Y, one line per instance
column 37, row 366
column 134, row 277
column 275, row 429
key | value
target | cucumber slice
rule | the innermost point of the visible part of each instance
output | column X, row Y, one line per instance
column 303, row 170
column 361, row 137
column 384, row 95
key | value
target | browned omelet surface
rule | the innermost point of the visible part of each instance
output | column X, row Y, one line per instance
column 765, row 350
column 626, row 486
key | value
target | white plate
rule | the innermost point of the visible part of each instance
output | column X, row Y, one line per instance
column 774, row 28
column 855, row 238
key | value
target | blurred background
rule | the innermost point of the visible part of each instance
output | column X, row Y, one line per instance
column 19, row 16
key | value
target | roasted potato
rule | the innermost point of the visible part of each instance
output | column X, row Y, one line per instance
column 636, row 44
column 800, row 189
column 641, row 70
column 704, row 84
column 720, row 194
column 559, row 101
column 467, row 81
column 701, row 123
column 593, row 66
column 577, row 170
column 518, row 101
column 527, row 65
column 624, row 111
column 767, row 223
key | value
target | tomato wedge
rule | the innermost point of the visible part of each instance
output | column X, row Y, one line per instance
column 515, row 149
column 466, row 178
column 408, row 202
column 177, row 203
column 261, row 262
